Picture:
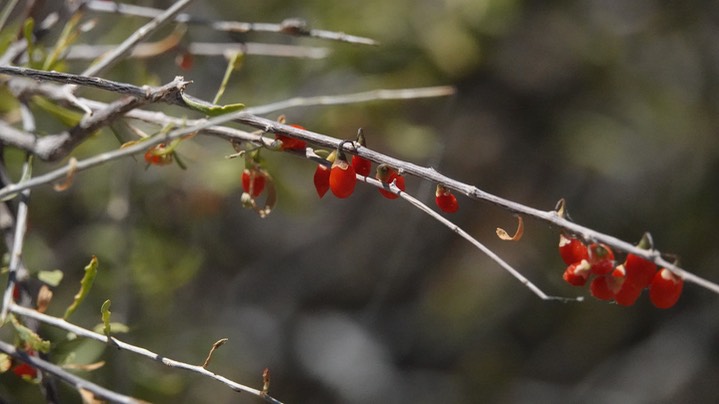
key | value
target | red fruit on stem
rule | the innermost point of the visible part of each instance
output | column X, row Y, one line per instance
column 577, row 273
column 290, row 143
column 628, row 292
column 640, row 272
column 602, row 258
column 158, row 155
column 342, row 178
column 572, row 249
column 445, row 200
column 184, row 60
column 601, row 289
column 253, row 182
column 25, row 371
column 322, row 179
column 665, row 289
column 361, row 165
column 387, row 175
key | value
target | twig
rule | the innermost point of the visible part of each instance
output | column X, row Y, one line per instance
column 69, row 378
column 116, row 54
column 293, row 27
column 82, row 332
column 491, row 254
column 77, row 52
column 425, row 173
column 372, row 95
column 20, row 222
column 6, row 11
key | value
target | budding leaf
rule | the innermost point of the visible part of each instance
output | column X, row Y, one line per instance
column 85, row 285
column 210, row 109
column 105, row 310
column 29, row 337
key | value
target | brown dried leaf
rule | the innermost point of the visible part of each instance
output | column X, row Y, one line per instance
column 43, row 298
column 59, row 187
column 265, row 381
column 216, row 345
column 503, row 235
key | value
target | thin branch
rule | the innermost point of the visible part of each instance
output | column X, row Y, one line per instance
column 79, row 52
column 366, row 96
column 75, row 79
column 425, row 173
column 137, row 36
column 292, row 26
column 491, row 254
column 69, row 378
column 6, row 11
column 18, row 241
column 82, row 332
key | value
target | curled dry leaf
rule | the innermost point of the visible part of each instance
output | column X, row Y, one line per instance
column 265, row 381
column 63, row 186
column 502, row 234
column 44, row 296
column 216, row 345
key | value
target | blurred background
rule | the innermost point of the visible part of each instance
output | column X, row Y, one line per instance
column 611, row 105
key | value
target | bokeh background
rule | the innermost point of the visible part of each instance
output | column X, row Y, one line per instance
column 611, row 105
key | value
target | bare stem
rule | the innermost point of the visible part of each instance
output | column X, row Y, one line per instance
column 77, row 382
column 82, row 332
column 126, row 46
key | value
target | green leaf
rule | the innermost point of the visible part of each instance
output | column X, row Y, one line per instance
column 233, row 64
column 50, row 278
column 29, row 337
column 105, row 310
column 85, row 285
column 67, row 116
column 210, row 109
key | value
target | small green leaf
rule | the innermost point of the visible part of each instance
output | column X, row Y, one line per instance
column 85, row 285
column 50, row 278
column 65, row 115
column 210, row 109
column 233, row 64
column 29, row 337
column 105, row 310
column 5, row 363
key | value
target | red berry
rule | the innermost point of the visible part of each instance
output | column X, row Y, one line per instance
column 602, row 258
column 184, row 60
column 445, row 200
column 322, row 179
column 290, row 143
column 628, row 292
column 577, row 273
column 572, row 249
column 253, row 181
column 601, row 289
column 387, row 175
column 158, row 155
column 25, row 371
column 640, row 272
column 342, row 178
column 361, row 165
column 665, row 289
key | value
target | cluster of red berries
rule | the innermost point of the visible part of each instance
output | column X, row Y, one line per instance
column 623, row 283
column 341, row 177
